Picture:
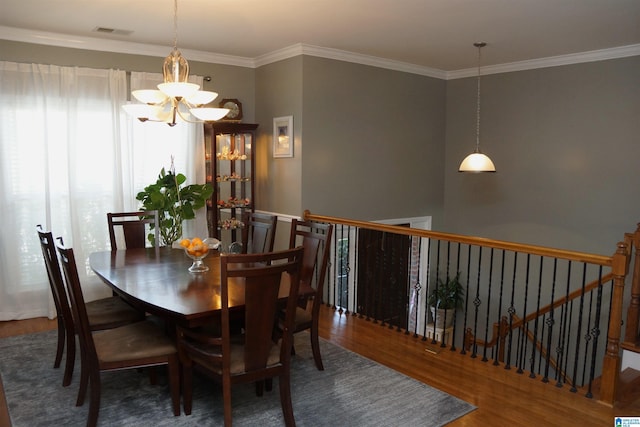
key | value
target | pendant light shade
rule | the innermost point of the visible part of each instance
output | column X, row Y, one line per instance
column 476, row 161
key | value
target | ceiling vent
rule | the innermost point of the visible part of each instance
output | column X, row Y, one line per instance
column 113, row 31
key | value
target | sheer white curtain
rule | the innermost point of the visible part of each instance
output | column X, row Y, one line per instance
column 68, row 155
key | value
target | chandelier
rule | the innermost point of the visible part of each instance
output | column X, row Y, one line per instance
column 176, row 98
column 476, row 161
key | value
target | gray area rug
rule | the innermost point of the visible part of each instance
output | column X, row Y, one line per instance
column 351, row 391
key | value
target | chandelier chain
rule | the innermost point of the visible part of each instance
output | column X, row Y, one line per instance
column 175, row 24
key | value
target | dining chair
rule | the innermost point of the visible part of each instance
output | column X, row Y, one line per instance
column 136, row 345
column 315, row 237
column 257, row 355
column 134, row 228
column 105, row 313
column 258, row 233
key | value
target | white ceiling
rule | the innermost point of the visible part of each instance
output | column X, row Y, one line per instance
column 436, row 35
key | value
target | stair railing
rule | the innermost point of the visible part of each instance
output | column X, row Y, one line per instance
column 581, row 324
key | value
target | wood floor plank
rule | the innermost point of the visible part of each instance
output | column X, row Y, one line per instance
column 502, row 397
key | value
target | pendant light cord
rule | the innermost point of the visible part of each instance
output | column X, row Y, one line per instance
column 479, row 46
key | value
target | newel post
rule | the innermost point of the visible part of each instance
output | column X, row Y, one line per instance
column 611, row 362
column 631, row 330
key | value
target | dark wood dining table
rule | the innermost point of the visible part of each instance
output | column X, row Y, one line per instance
column 158, row 281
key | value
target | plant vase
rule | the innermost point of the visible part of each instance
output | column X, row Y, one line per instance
column 443, row 318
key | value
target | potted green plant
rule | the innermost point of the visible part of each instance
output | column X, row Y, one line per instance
column 174, row 202
column 444, row 299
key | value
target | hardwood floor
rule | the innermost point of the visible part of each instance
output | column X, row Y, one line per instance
column 502, row 397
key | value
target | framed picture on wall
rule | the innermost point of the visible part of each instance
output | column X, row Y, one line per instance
column 283, row 136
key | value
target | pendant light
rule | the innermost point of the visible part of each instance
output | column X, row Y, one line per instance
column 176, row 97
column 476, row 161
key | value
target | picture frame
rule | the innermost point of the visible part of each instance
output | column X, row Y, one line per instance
column 283, row 136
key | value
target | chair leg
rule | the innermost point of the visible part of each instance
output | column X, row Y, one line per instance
column 187, row 386
column 71, row 359
column 315, row 346
column 94, row 403
column 174, row 383
column 60, row 348
column 285, row 400
column 226, row 399
column 84, row 379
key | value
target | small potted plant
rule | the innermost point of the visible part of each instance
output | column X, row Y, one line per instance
column 444, row 299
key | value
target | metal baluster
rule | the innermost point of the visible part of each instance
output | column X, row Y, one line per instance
column 415, row 255
column 435, row 282
column 534, row 346
column 487, row 319
column 580, row 312
column 426, row 300
column 466, row 300
column 476, row 302
column 595, row 334
column 550, row 322
column 455, row 319
column 512, row 311
column 354, row 267
column 562, row 335
column 524, row 311
column 499, row 343
column 336, row 291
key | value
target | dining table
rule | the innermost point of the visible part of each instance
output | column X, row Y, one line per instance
column 158, row 281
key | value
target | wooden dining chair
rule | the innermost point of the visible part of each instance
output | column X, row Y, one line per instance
column 256, row 355
column 102, row 314
column 258, row 233
column 315, row 237
column 134, row 228
column 136, row 345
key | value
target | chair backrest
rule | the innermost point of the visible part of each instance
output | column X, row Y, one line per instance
column 134, row 226
column 262, row 275
column 76, row 299
column 259, row 232
column 56, row 282
column 315, row 237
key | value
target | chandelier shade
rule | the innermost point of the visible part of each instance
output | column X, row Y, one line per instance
column 476, row 161
column 176, row 98
column 149, row 96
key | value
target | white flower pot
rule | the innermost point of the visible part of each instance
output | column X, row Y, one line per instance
column 442, row 318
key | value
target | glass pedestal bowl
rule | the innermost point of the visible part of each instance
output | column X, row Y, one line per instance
column 197, row 249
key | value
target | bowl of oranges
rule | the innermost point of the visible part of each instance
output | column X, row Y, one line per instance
column 197, row 249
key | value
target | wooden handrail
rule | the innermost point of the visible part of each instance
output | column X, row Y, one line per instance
column 573, row 295
column 479, row 241
column 519, row 322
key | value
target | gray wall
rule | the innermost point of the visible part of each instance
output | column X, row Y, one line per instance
column 566, row 144
column 375, row 143
column 278, row 94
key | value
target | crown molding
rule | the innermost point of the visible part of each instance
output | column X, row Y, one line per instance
column 552, row 61
column 341, row 55
column 118, row 46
